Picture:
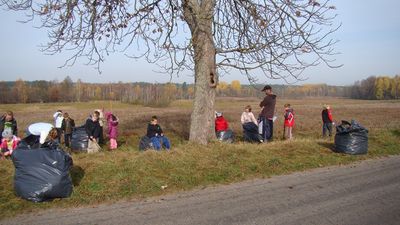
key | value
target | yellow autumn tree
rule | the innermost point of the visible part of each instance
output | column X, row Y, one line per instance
column 236, row 87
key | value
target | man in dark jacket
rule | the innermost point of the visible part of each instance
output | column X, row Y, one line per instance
column 93, row 130
column 8, row 121
column 267, row 113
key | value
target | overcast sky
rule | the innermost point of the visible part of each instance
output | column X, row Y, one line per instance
column 369, row 45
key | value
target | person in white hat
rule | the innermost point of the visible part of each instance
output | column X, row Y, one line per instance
column 9, row 143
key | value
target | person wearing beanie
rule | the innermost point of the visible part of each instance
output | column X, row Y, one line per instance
column 9, row 143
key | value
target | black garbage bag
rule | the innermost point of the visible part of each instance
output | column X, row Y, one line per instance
column 79, row 140
column 30, row 142
column 42, row 174
column 145, row 143
column 250, row 132
column 225, row 136
column 351, row 138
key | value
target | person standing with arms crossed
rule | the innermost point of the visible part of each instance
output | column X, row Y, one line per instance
column 267, row 113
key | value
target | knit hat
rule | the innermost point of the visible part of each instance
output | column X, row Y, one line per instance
column 7, row 133
column 218, row 114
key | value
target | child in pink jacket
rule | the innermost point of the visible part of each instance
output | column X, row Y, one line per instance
column 9, row 143
column 112, row 124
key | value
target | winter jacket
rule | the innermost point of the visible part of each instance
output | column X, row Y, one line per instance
column 289, row 118
column 4, row 144
column 221, row 124
column 92, row 128
column 268, row 106
column 153, row 130
column 112, row 126
column 9, row 124
column 68, row 125
column 327, row 116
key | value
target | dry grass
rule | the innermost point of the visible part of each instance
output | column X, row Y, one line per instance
column 130, row 174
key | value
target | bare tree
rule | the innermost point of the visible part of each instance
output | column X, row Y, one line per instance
column 277, row 37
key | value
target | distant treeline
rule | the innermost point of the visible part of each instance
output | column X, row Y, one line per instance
column 162, row 94
column 382, row 87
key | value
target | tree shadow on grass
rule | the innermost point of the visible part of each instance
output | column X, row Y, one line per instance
column 330, row 146
column 396, row 132
column 77, row 174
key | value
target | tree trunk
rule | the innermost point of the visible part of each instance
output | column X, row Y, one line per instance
column 199, row 18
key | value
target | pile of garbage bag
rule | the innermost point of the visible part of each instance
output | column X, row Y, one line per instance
column 351, row 138
column 79, row 140
column 41, row 173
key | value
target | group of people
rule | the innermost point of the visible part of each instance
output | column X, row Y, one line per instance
column 261, row 129
column 255, row 130
column 94, row 130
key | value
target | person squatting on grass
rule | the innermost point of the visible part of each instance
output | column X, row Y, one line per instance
column 52, row 139
column 8, row 122
column 156, row 135
column 58, row 118
column 67, row 126
column 250, row 126
column 221, row 125
column 93, row 130
column 9, row 143
column 112, row 130
column 267, row 113
column 289, row 122
column 327, row 120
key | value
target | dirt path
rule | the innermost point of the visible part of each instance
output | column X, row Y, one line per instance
column 362, row 193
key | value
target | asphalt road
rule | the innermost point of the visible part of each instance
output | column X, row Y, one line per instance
column 363, row 193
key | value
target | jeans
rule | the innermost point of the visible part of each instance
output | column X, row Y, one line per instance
column 268, row 129
column 160, row 141
column 327, row 127
column 67, row 139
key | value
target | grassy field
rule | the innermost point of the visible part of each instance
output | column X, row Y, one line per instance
column 130, row 174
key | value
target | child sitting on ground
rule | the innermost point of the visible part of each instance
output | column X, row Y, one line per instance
column 250, row 126
column 9, row 143
column 156, row 135
column 289, row 122
column 222, row 130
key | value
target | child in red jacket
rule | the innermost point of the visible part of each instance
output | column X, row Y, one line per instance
column 327, row 121
column 289, row 122
column 221, row 126
column 220, row 123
